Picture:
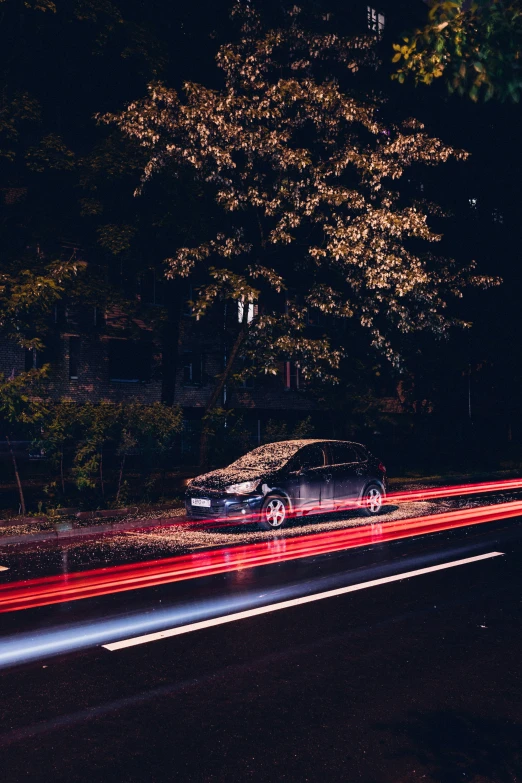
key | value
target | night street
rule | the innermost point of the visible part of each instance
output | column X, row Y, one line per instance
column 407, row 680
column 260, row 391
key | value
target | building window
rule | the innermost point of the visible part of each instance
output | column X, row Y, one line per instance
column 292, row 376
column 129, row 361
column 314, row 317
column 60, row 313
column 252, row 311
column 98, row 316
column 151, row 288
column 74, row 357
column 375, row 21
column 35, row 360
column 192, row 368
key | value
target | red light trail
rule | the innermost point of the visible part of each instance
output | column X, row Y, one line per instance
column 90, row 584
column 432, row 493
column 409, row 496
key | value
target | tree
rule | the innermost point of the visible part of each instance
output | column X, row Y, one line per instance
column 59, row 429
column 65, row 182
column 23, row 405
column 101, row 426
column 121, row 428
column 476, row 46
column 151, row 429
column 278, row 430
column 302, row 180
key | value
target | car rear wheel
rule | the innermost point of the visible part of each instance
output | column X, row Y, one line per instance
column 274, row 513
column 372, row 500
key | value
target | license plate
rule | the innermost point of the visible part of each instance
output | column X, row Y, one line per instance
column 201, row 502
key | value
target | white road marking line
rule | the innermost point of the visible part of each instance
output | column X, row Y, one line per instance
column 4, row 568
column 230, row 618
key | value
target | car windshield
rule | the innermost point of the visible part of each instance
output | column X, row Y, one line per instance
column 268, row 458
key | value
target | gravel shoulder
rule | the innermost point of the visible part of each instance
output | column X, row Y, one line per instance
column 185, row 537
column 146, row 537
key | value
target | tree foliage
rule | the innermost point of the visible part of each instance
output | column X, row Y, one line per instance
column 64, row 196
column 23, row 407
column 150, row 429
column 476, row 47
column 304, row 178
column 31, row 286
column 23, row 402
column 278, row 430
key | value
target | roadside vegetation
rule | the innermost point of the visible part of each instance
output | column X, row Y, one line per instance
column 103, row 456
column 88, row 449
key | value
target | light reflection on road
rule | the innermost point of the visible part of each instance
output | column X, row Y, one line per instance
column 133, row 576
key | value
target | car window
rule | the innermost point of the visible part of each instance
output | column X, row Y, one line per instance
column 361, row 453
column 311, row 456
column 343, row 453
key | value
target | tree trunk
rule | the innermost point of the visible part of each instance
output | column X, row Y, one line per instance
column 122, row 465
column 61, row 472
column 218, row 388
column 17, row 476
column 170, row 343
column 102, row 486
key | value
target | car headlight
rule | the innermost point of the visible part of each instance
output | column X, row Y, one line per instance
column 242, row 489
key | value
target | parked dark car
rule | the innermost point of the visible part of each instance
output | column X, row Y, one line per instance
column 290, row 478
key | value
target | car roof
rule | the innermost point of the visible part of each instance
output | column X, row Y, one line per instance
column 308, row 441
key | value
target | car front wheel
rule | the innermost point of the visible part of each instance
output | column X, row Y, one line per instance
column 274, row 513
column 372, row 500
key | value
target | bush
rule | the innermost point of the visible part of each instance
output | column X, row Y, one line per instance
column 278, row 430
column 98, row 438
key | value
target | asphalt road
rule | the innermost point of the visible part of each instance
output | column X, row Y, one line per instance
column 29, row 559
column 414, row 679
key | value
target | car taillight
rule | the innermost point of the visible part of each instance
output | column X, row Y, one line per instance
column 382, row 467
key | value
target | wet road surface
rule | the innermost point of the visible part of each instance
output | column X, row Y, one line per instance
column 29, row 560
column 411, row 679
